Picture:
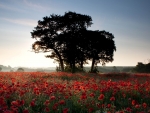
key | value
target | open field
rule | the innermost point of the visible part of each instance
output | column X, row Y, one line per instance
column 59, row 92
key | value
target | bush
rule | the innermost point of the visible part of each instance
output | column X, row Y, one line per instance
column 142, row 68
column 20, row 70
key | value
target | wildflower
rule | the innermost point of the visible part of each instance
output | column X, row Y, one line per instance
column 112, row 99
column 14, row 103
column 108, row 105
column 22, row 102
column 25, row 111
column 14, row 109
column 101, row 97
column 103, row 105
column 46, row 103
column 83, row 96
column 61, row 102
column 133, row 102
column 55, row 106
column 128, row 109
column 66, row 97
column 92, row 95
column 137, row 106
column 65, row 110
column 52, row 98
column 90, row 110
column 32, row 104
column 144, row 105
column 47, row 109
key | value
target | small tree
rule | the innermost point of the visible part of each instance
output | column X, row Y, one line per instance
column 142, row 68
column 100, row 47
column 115, row 69
column 20, row 70
column 0, row 69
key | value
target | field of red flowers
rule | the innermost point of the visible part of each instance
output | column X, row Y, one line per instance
column 59, row 92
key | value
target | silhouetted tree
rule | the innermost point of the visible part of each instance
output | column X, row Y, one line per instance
column 100, row 47
column 0, row 69
column 142, row 68
column 48, row 34
column 70, row 43
column 20, row 70
column 73, row 51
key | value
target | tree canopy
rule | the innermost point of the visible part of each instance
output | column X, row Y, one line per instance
column 69, row 41
column 142, row 68
column 20, row 70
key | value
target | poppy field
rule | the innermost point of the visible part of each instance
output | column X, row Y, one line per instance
column 61, row 92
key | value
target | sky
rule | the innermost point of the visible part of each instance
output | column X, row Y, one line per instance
column 127, row 20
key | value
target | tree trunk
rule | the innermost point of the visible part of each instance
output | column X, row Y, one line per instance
column 60, row 60
column 73, row 66
column 61, row 64
column 92, row 66
column 81, row 65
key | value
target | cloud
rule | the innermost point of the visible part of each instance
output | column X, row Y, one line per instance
column 25, row 22
column 7, row 7
column 36, row 6
column 24, row 4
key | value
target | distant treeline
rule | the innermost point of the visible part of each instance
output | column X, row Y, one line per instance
column 5, row 68
column 25, row 69
column 110, row 69
column 101, row 69
column 142, row 68
column 139, row 68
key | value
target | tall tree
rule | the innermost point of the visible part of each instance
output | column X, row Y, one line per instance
column 74, row 24
column 73, row 51
column 57, row 34
column 46, row 34
column 100, row 47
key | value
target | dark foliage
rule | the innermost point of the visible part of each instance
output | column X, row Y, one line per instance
column 70, row 43
column 20, row 70
column 142, row 68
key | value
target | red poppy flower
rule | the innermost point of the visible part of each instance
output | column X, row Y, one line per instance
column 108, row 105
column 92, row 95
column 47, row 109
column 101, row 97
column 144, row 105
column 83, row 96
column 52, row 98
column 61, row 102
column 133, row 102
column 25, row 111
column 112, row 99
column 65, row 110
column 32, row 104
